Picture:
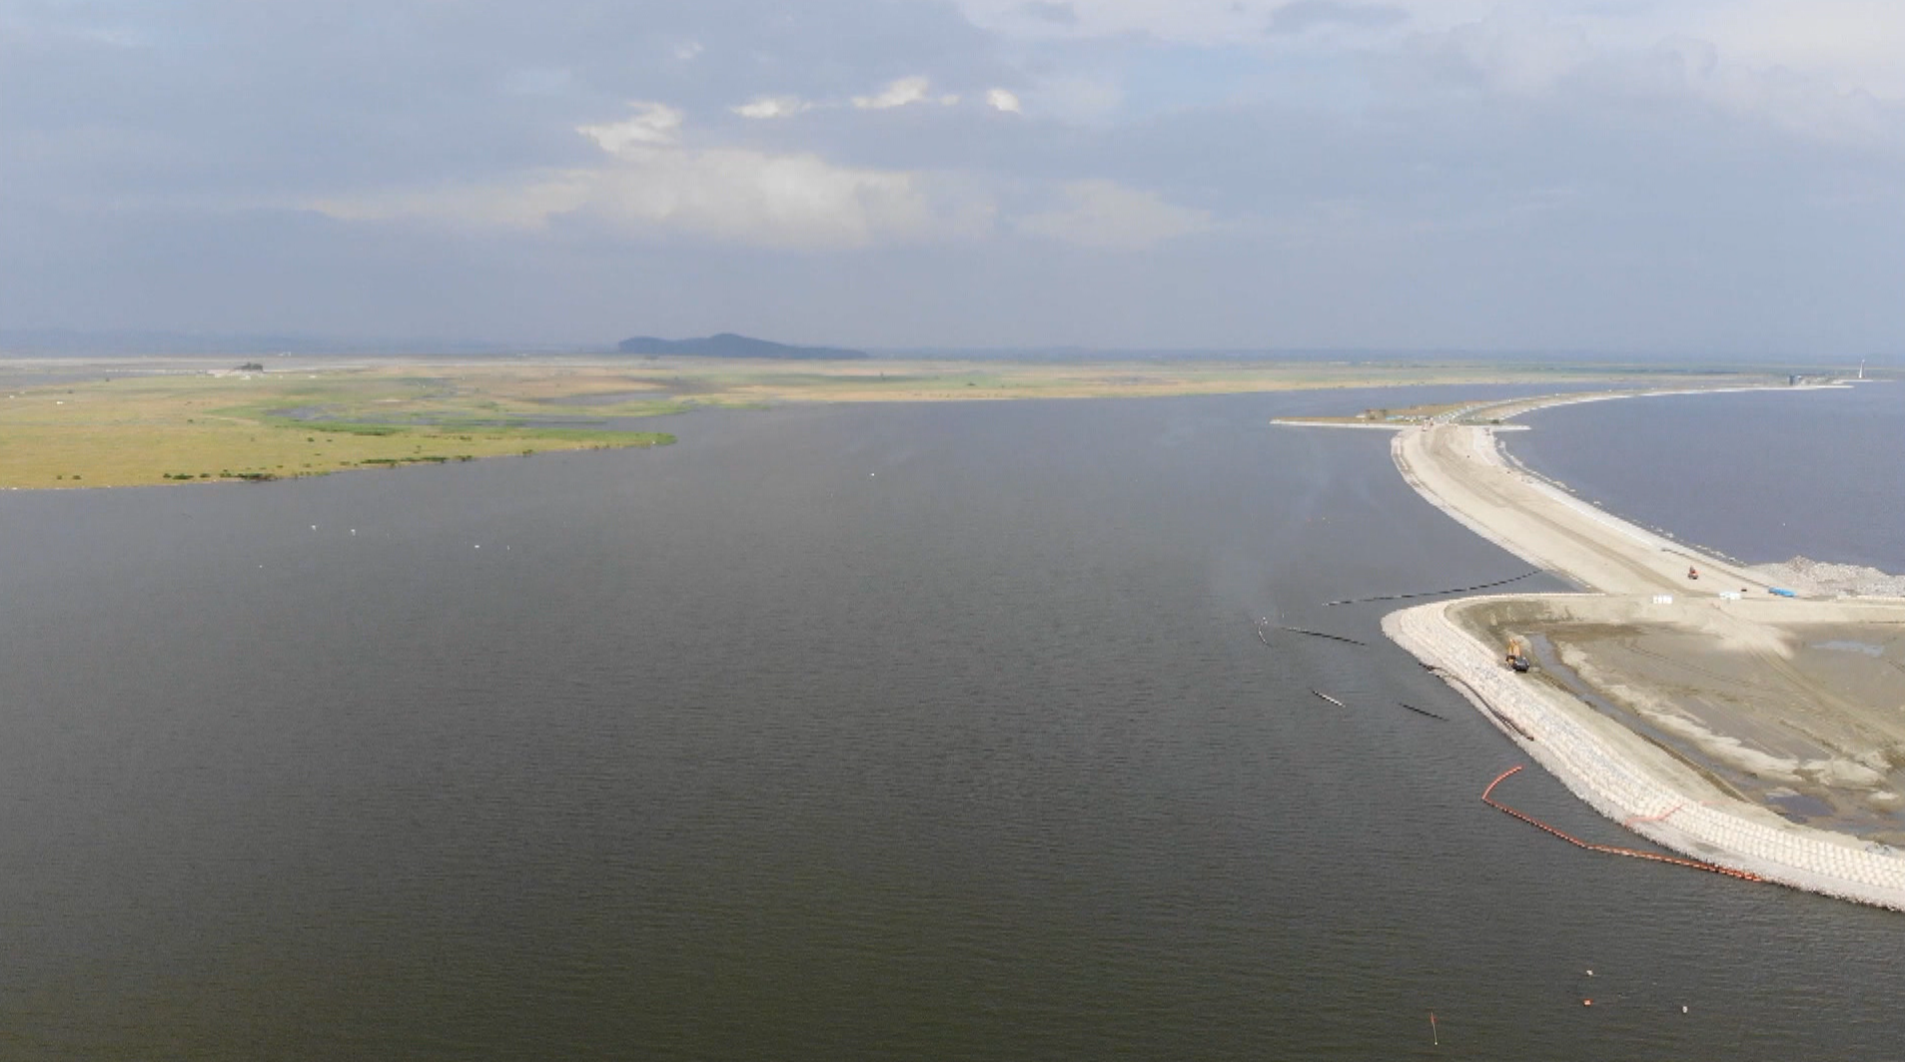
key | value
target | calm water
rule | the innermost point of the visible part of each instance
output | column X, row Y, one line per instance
column 1760, row 475
column 842, row 733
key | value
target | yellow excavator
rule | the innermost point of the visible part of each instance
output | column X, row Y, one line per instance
column 1518, row 653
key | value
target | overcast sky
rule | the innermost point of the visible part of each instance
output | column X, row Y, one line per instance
column 1628, row 175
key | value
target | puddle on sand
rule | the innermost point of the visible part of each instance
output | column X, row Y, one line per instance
column 1847, row 646
column 1798, row 807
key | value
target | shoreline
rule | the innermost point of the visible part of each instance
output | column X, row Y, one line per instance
column 84, row 423
column 1638, row 576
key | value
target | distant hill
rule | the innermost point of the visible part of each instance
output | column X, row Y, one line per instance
column 729, row 345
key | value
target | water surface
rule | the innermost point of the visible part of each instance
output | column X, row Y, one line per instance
column 1759, row 475
column 929, row 731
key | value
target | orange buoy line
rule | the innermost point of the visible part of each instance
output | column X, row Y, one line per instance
column 1633, row 853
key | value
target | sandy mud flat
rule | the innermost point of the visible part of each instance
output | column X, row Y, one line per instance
column 1740, row 728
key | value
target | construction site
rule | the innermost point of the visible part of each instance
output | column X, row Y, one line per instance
column 1801, row 716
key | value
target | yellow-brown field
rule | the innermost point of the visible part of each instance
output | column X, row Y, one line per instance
column 151, row 429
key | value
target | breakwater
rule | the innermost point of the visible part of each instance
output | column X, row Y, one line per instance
column 1461, row 470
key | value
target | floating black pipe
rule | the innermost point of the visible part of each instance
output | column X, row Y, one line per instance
column 1320, row 634
column 1433, row 593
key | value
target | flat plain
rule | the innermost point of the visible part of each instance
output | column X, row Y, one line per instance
column 147, row 421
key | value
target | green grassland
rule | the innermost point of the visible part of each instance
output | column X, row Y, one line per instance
column 179, row 421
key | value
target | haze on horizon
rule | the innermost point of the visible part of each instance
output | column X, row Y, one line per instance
column 1649, row 175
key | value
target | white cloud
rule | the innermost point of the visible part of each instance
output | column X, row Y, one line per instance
column 650, row 186
column 906, row 90
column 761, row 107
column 901, row 93
column 1003, row 100
column 652, row 123
column 797, row 200
column 1108, row 215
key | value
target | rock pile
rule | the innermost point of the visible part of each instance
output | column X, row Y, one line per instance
column 1821, row 578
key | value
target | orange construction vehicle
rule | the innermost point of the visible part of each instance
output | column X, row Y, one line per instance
column 1518, row 653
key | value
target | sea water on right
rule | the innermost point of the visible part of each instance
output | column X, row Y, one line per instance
column 1762, row 476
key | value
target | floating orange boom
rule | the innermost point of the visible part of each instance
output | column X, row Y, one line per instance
column 1633, row 853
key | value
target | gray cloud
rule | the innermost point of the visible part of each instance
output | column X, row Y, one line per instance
column 413, row 167
column 1055, row 11
column 1300, row 16
column 236, row 94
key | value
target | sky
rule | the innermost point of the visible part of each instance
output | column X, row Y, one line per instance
column 1644, row 176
